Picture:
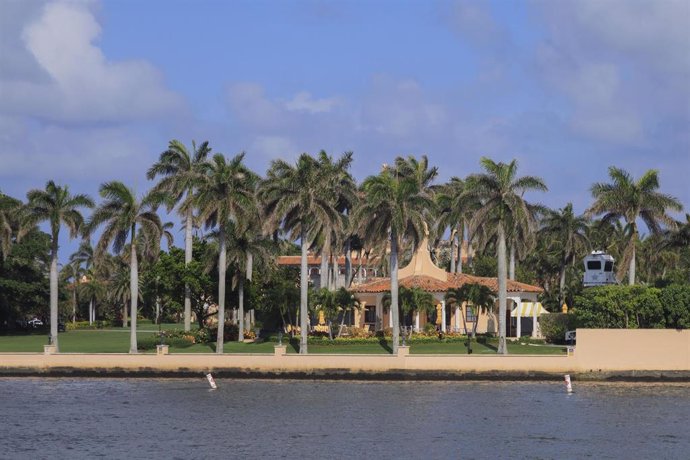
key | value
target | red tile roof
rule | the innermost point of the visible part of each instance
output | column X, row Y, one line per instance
column 455, row 280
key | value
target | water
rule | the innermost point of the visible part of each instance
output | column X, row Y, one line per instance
column 182, row 418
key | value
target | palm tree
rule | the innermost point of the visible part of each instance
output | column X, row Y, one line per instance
column 334, row 235
column 503, row 208
column 568, row 235
column 394, row 209
column 121, row 213
column 298, row 199
column 9, row 208
column 454, row 213
column 628, row 199
column 181, row 172
column 56, row 205
column 73, row 271
column 478, row 297
column 226, row 194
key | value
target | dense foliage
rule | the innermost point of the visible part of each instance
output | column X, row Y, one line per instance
column 236, row 223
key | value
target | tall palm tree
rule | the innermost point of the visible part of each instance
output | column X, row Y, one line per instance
column 334, row 235
column 298, row 199
column 567, row 233
column 122, row 212
column 503, row 208
column 454, row 213
column 56, row 205
column 181, row 172
column 394, row 208
column 9, row 208
column 225, row 194
column 629, row 200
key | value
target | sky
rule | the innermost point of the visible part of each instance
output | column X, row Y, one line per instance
column 92, row 91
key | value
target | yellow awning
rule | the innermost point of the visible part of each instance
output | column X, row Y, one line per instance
column 527, row 310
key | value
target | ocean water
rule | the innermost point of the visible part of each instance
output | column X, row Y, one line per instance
column 257, row 419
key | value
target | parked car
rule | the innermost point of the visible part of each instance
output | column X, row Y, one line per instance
column 35, row 322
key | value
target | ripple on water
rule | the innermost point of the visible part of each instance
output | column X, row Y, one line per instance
column 181, row 418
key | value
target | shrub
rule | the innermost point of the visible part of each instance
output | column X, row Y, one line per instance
column 619, row 307
column 675, row 301
column 554, row 326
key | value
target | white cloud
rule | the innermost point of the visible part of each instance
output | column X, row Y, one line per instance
column 623, row 66
column 304, row 102
column 83, row 86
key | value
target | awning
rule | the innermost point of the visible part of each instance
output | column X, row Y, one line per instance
column 527, row 310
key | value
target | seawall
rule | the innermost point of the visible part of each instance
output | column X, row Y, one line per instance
column 601, row 354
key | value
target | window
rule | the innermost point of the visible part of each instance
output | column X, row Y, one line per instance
column 593, row 265
column 469, row 314
column 608, row 266
column 370, row 315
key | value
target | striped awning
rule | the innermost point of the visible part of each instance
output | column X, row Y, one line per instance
column 528, row 309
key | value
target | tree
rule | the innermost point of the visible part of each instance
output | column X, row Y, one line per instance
column 394, row 209
column 410, row 300
column 226, row 194
column 56, row 205
column 181, row 172
column 9, row 208
column 568, row 236
column 628, row 199
column 121, row 213
column 476, row 296
column 500, row 192
column 334, row 234
column 297, row 199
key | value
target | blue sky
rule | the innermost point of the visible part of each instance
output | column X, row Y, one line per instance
column 93, row 91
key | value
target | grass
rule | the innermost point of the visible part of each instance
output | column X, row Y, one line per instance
column 116, row 340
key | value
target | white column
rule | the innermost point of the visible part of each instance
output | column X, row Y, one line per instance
column 457, row 319
column 416, row 322
column 535, row 307
column 519, row 323
column 390, row 318
column 443, row 316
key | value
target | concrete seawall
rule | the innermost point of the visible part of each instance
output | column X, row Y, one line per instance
column 655, row 355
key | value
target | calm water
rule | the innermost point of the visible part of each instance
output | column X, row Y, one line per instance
column 182, row 418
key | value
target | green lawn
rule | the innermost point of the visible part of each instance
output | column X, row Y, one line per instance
column 116, row 340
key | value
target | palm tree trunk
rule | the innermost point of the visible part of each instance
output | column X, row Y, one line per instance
column 452, row 251
column 240, row 294
column 91, row 315
column 303, row 315
column 502, row 291
column 631, row 271
column 394, row 291
column 324, row 263
column 561, row 292
column 134, row 293
column 54, row 293
column 461, row 238
column 222, row 256
column 336, row 271
column 74, row 299
column 511, row 271
column 348, row 263
column 187, row 260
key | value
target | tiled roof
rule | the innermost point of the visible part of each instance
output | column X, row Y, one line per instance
column 454, row 280
column 316, row 260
